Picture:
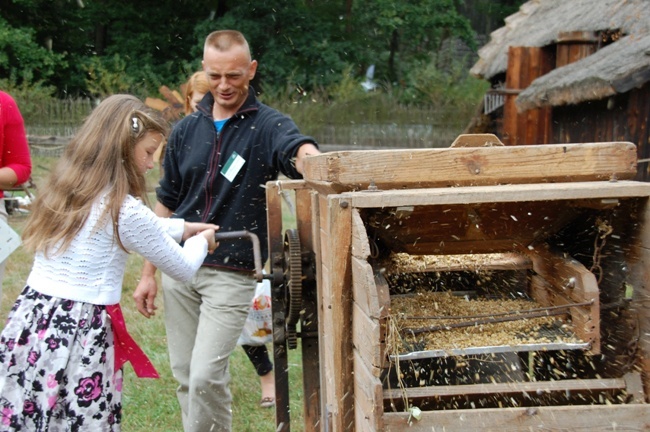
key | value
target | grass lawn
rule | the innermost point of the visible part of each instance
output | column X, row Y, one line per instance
column 150, row 404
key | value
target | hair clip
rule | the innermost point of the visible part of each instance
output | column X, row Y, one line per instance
column 135, row 126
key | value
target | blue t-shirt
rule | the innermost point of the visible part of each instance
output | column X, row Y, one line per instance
column 218, row 124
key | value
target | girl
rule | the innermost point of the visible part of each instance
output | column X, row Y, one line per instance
column 65, row 341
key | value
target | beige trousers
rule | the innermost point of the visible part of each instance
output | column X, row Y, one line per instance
column 204, row 319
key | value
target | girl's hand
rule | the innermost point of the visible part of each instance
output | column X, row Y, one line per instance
column 193, row 228
column 209, row 236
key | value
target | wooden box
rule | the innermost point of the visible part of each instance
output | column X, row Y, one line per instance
column 568, row 217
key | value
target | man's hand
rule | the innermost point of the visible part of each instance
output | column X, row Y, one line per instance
column 146, row 291
column 305, row 150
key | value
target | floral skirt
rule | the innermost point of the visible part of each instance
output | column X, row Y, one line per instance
column 57, row 367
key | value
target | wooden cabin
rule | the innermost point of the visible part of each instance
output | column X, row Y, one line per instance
column 569, row 72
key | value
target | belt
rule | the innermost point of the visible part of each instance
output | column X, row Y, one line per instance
column 126, row 349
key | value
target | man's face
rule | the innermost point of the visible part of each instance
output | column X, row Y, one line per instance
column 229, row 73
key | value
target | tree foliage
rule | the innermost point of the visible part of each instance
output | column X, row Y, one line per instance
column 93, row 47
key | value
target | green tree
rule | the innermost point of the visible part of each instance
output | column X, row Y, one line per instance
column 296, row 41
column 18, row 47
column 403, row 34
column 94, row 47
column 154, row 38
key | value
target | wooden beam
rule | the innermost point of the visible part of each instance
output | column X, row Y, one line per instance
column 579, row 385
column 589, row 418
column 470, row 166
column 502, row 193
column 335, row 322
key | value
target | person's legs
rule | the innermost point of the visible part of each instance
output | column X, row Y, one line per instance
column 259, row 357
column 223, row 307
column 182, row 306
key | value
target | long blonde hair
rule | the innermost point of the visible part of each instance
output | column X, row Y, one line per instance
column 99, row 159
column 198, row 83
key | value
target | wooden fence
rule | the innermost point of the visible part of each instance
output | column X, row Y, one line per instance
column 55, row 117
column 51, row 124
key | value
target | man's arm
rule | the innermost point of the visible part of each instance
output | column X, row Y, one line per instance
column 147, row 289
column 305, row 150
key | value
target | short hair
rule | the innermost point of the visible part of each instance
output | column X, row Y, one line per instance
column 223, row 40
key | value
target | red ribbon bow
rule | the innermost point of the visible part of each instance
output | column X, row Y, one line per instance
column 126, row 349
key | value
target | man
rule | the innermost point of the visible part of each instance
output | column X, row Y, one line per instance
column 216, row 164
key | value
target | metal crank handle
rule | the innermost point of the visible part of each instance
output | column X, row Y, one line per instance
column 257, row 254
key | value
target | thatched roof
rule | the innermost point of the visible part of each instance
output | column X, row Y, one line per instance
column 539, row 22
column 616, row 68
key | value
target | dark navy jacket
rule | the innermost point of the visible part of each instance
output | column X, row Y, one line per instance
column 194, row 186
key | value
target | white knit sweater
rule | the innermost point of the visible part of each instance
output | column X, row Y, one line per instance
column 92, row 268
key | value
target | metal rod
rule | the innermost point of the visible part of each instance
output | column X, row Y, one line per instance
column 515, row 312
column 486, row 321
column 257, row 254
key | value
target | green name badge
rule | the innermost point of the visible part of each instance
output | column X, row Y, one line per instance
column 232, row 167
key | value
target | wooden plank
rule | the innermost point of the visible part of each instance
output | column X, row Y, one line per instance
column 477, row 227
column 318, row 416
column 634, row 387
column 482, row 219
column 326, row 302
column 525, row 64
column 360, row 244
column 309, row 320
column 280, row 359
column 643, row 217
column 464, row 166
column 570, row 282
column 476, row 140
column 524, row 81
column 574, row 46
column 639, row 281
column 372, row 297
column 500, row 193
column 587, row 418
column 363, row 286
column 564, row 274
column 171, row 96
column 336, row 299
column 507, row 388
column 303, row 218
column 368, row 338
column 157, row 104
column 368, row 407
column 537, row 125
column 513, row 82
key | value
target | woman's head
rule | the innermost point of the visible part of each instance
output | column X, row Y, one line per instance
column 195, row 88
column 108, row 155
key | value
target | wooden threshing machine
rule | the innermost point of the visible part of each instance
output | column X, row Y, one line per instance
column 473, row 288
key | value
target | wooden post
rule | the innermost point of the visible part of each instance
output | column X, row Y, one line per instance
column 335, row 319
column 533, row 126
column 309, row 320
column 640, row 285
column 574, row 46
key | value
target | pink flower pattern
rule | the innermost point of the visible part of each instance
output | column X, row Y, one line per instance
column 54, row 382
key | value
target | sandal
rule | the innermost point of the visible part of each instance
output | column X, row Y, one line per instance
column 267, row 402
